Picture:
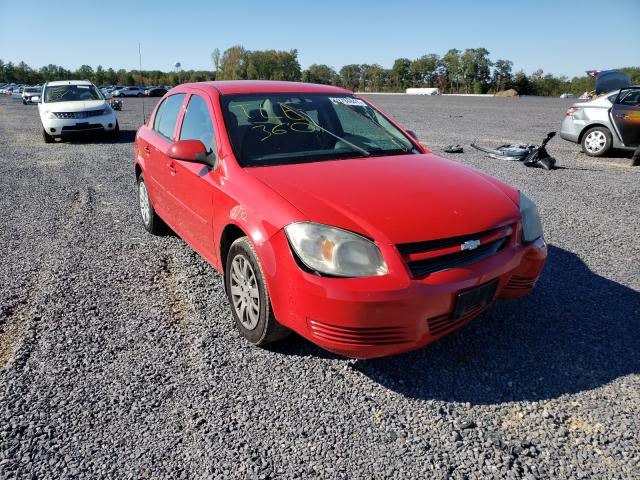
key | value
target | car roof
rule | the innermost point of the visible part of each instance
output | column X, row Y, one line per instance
column 231, row 87
column 69, row 82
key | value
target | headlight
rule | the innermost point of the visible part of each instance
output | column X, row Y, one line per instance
column 531, row 225
column 334, row 251
column 49, row 114
column 107, row 110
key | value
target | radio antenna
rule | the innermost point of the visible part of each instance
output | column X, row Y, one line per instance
column 142, row 80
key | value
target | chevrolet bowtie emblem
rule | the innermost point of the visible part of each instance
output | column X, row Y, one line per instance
column 470, row 245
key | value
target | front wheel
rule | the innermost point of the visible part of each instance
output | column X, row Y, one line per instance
column 596, row 142
column 47, row 138
column 115, row 133
column 248, row 295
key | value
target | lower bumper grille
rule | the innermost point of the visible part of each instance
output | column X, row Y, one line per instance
column 443, row 323
column 357, row 335
column 520, row 283
column 82, row 128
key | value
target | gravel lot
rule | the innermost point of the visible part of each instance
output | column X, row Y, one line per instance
column 119, row 358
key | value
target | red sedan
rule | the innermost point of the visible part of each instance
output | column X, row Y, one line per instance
column 327, row 218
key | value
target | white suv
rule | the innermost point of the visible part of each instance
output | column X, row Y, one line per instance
column 71, row 107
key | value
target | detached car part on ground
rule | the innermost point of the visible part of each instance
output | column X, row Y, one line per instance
column 73, row 107
column 327, row 218
column 609, row 121
column 531, row 155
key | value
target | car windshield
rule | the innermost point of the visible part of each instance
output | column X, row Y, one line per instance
column 71, row 93
column 283, row 128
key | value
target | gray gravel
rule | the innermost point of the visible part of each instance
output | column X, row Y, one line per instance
column 119, row 359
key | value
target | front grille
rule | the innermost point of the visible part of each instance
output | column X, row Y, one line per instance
column 431, row 256
column 439, row 244
column 444, row 322
column 421, row 268
column 357, row 335
column 82, row 127
column 520, row 283
column 83, row 114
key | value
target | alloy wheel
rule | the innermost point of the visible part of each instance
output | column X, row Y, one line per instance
column 244, row 292
column 145, row 206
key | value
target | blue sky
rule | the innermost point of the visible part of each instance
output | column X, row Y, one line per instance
column 563, row 37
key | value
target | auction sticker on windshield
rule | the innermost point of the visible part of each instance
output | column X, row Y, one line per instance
column 348, row 101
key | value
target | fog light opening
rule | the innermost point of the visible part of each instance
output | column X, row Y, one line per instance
column 110, row 125
column 52, row 130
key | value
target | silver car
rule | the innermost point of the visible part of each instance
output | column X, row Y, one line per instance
column 590, row 124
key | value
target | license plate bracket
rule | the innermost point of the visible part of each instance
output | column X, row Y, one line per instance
column 480, row 296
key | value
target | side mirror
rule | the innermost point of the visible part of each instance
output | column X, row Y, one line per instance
column 192, row 151
column 413, row 134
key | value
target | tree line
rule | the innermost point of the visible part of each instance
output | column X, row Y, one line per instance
column 457, row 71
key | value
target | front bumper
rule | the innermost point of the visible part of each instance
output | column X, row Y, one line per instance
column 380, row 316
column 73, row 126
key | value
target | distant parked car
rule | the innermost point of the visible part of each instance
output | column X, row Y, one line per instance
column 128, row 92
column 567, row 95
column 156, row 92
column 75, row 106
column 610, row 121
column 31, row 95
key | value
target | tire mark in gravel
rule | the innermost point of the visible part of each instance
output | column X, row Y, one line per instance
column 171, row 280
column 15, row 319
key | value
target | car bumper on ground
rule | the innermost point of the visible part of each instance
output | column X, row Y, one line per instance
column 74, row 126
column 380, row 316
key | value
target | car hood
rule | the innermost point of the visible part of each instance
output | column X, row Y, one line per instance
column 395, row 199
column 75, row 106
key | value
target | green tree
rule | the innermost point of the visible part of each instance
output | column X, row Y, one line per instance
column 234, row 63
column 424, row 68
column 401, row 74
column 216, row 59
column 502, row 78
column 452, row 69
column 318, row 73
column 85, row 72
column 350, row 76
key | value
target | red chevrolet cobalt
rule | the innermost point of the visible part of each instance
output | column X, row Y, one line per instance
column 327, row 218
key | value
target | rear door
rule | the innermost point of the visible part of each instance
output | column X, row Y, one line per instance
column 158, row 165
column 625, row 115
column 194, row 185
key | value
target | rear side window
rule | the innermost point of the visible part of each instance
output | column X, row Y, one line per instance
column 197, row 123
column 165, row 121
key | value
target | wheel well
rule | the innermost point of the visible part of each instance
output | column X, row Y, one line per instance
column 138, row 171
column 589, row 127
column 229, row 235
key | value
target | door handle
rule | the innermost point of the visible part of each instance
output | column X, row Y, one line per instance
column 171, row 168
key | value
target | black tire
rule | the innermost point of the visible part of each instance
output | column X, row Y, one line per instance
column 267, row 330
column 596, row 142
column 635, row 159
column 153, row 223
column 138, row 94
column 47, row 138
column 115, row 133
column 24, row 102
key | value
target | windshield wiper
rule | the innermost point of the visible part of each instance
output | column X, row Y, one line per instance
column 314, row 123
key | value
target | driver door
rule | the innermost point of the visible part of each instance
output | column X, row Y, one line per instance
column 625, row 115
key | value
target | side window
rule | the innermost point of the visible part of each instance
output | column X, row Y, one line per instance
column 197, row 123
column 630, row 97
column 165, row 121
